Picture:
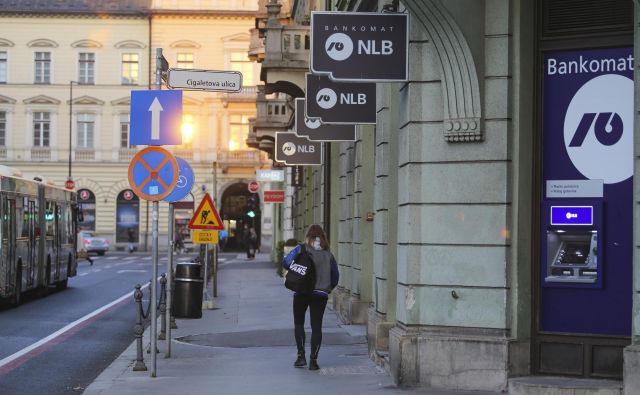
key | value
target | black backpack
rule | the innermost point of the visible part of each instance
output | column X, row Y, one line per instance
column 301, row 276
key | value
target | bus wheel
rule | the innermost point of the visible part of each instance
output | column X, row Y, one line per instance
column 17, row 297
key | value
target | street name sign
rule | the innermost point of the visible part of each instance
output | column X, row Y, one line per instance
column 184, row 184
column 340, row 102
column 270, row 175
column 360, row 46
column 156, row 118
column 204, row 236
column 206, row 217
column 315, row 130
column 295, row 150
column 273, row 197
column 153, row 173
column 205, row 80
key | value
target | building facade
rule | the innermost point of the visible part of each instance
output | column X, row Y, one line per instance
column 66, row 75
column 484, row 225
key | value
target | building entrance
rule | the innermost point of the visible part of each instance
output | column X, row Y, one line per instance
column 240, row 211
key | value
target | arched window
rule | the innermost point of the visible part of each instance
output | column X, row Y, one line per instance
column 87, row 206
column 127, row 216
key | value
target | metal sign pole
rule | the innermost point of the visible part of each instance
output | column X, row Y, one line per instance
column 205, row 292
column 154, row 291
column 170, row 280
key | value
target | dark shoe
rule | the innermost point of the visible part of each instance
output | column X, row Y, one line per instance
column 90, row 262
column 300, row 362
column 313, row 364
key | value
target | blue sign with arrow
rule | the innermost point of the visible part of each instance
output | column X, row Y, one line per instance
column 156, row 118
column 184, row 184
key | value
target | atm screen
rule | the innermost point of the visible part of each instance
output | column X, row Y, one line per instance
column 575, row 253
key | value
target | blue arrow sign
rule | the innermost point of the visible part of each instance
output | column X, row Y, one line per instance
column 184, row 184
column 156, row 118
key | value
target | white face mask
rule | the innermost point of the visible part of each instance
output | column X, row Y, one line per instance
column 316, row 244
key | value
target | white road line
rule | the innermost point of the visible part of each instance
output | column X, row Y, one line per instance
column 82, row 274
column 120, row 264
column 107, row 267
column 131, row 271
column 112, row 257
column 96, row 270
column 60, row 332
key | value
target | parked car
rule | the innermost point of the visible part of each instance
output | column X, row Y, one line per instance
column 91, row 243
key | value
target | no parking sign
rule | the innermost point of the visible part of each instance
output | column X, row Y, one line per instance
column 153, row 173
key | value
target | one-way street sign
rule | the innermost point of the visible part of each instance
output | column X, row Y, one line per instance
column 156, row 118
column 205, row 80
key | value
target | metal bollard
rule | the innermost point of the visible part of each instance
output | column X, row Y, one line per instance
column 139, row 330
column 163, row 307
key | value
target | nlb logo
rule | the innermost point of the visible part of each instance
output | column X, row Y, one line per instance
column 312, row 123
column 301, row 270
column 326, row 98
column 289, row 148
column 339, row 47
column 598, row 129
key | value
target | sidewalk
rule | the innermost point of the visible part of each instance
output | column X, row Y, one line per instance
column 246, row 346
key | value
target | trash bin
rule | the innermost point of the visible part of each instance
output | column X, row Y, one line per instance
column 187, row 294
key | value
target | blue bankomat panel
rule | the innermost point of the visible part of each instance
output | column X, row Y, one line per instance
column 572, row 244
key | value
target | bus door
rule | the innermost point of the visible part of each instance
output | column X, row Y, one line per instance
column 9, row 239
column 53, row 222
column 34, row 241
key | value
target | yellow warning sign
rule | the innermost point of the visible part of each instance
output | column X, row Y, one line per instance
column 204, row 236
column 206, row 217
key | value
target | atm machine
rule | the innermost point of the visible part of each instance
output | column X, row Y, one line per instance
column 572, row 244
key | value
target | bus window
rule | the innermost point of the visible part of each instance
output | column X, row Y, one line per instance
column 49, row 218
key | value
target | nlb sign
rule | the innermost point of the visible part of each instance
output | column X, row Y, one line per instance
column 315, row 130
column 340, row 102
column 360, row 46
column 295, row 150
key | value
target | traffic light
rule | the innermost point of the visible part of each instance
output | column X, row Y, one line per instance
column 253, row 208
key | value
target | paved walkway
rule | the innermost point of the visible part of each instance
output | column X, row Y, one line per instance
column 246, row 346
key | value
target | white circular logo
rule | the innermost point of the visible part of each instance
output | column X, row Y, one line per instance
column 598, row 129
column 312, row 123
column 339, row 46
column 326, row 98
column 288, row 148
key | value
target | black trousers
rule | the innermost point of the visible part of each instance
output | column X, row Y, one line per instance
column 316, row 305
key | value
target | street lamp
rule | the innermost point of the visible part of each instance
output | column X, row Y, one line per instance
column 69, row 178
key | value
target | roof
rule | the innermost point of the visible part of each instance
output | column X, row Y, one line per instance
column 113, row 7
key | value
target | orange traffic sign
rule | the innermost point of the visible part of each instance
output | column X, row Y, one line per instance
column 206, row 217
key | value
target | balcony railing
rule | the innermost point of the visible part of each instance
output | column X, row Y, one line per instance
column 247, row 158
column 126, row 154
column 287, row 47
column 184, row 153
column 85, row 154
column 3, row 152
column 247, row 94
column 40, row 153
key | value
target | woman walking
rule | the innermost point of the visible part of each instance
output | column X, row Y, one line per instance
column 327, row 275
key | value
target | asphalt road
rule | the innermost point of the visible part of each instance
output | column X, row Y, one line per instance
column 59, row 344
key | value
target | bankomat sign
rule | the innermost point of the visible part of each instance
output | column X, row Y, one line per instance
column 340, row 102
column 360, row 46
column 586, row 230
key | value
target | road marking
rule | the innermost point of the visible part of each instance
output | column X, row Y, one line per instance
column 130, row 258
column 131, row 271
column 107, row 267
column 82, row 274
column 12, row 361
column 112, row 257
column 120, row 264
column 96, row 270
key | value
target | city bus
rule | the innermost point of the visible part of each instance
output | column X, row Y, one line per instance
column 38, row 236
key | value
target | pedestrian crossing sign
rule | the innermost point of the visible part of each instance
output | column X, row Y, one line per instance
column 206, row 217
